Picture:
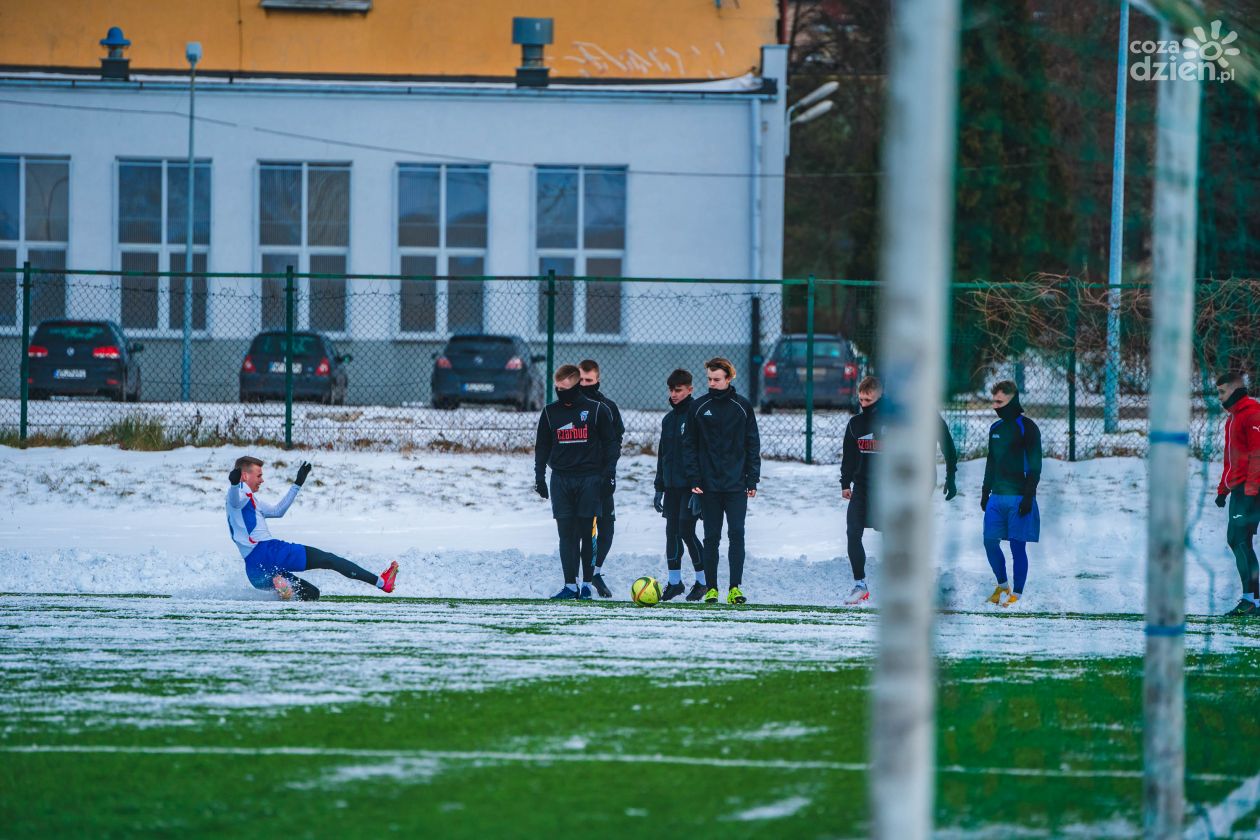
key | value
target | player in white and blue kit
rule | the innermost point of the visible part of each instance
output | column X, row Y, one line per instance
column 269, row 562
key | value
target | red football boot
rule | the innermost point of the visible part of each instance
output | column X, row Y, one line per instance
column 389, row 576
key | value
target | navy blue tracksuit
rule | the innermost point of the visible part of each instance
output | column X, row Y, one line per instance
column 722, row 456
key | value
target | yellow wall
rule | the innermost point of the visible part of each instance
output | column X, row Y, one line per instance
column 598, row 38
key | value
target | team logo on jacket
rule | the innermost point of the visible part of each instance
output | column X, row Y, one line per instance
column 868, row 443
column 582, row 415
column 568, row 433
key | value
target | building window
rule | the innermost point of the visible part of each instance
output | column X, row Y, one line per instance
column 35, row 226
column 581, row 231
column 153, row 237
column 443, row 214
column 304, row 221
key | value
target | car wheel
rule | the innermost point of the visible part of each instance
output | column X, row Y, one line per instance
column 135, row 394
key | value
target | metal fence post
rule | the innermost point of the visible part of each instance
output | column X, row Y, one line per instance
column 25, row 363
column 288, row 357
column 1074, row 311
column 754, row 348
column 551, row 326
column 809, row 371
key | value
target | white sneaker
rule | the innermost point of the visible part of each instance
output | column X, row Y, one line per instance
column 859, row 594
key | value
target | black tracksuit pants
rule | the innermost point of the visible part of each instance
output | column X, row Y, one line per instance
column 574, row 503
column 317, row 558
column 1244, row 513
column 858, row 519
column 680, row 530
column 715, row 506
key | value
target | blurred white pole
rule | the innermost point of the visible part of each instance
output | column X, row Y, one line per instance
column 1176, row 175
column 918, row 202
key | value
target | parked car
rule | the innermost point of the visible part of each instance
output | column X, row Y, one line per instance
column 82, row 358
column 319, row 371
column 488, row 369
column 837, row 371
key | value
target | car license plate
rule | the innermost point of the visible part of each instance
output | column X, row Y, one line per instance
column 278, row 367
column 819, row 373
column 69, row 373
column 479, row 387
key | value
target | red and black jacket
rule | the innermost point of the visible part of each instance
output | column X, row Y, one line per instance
column 1242, row 446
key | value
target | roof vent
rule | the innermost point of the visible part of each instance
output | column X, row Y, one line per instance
column 532, row 34
column 114, row 66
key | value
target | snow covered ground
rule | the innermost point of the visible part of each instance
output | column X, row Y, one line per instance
column 99, row 520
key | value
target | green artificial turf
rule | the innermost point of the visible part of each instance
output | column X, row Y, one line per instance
column 1037, row 747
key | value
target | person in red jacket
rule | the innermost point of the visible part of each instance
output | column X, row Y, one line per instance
column 1240, row 484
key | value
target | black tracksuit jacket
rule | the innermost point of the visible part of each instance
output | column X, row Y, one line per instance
column 670, row 470
column 863, row 438
column 593, row 392
column 576, row 438
column 721, row 445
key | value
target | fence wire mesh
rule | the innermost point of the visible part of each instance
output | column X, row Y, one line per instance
column 394, row 361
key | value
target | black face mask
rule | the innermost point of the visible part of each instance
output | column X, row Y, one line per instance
column 568, row 395
column 1233, row 398
column 589, row 389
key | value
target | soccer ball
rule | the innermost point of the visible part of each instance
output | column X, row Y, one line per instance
column 645, row 592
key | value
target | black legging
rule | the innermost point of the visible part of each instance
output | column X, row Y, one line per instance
column 1240, row 533
column 857, row 520
column 570, row 529
column 317, row 558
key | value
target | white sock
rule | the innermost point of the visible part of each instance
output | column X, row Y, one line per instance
column 1254, row 600
column 675, row 576
column 380, row 583
column 572, row 586
column 700, row 578
column 861, row 583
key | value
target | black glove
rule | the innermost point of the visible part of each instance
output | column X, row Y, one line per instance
column 693, row 505
column 1025, row 505
column 540, row 487
column 234, row 478
column 609, row 487
column 984, row 499
column 1221, row 499
column 304, row 469
column 951, row 489
column 658, row 502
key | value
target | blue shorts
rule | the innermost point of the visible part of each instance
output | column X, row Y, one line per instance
column 1003, row 522
column 271, row 556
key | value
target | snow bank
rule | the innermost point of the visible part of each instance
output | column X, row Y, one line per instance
column 99, row 520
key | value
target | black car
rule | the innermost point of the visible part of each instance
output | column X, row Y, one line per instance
column 82, row 358
column 837, row 371
column 319, row 371
column 488, row 369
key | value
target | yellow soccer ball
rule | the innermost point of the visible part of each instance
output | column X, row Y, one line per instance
column 645, row 592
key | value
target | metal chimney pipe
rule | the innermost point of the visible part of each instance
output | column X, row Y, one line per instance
column 532, row 34
column 115, row 66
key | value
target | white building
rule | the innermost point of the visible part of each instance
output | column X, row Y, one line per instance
column 382, row 178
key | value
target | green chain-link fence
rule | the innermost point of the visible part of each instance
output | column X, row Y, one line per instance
column 368, row 351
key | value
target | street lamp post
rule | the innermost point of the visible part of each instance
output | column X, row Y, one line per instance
column 790, row 118
column 193, row 53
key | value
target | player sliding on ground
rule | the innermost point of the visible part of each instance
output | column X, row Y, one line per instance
column 270, row 563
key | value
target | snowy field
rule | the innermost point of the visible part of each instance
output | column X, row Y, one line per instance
column 99, row 520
